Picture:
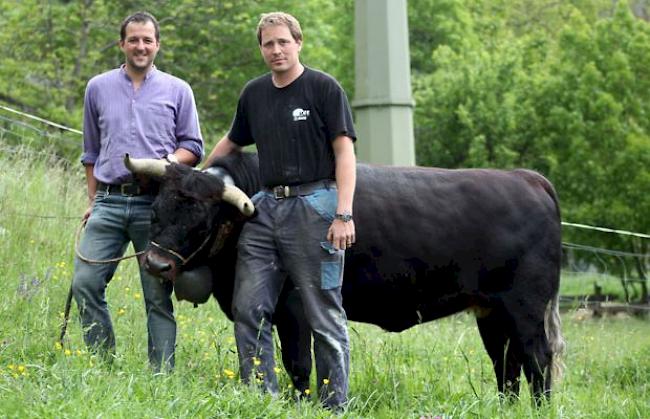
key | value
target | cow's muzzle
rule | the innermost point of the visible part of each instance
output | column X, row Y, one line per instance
column 159, row 266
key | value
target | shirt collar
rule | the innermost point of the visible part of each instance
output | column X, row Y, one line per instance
column 147, row 76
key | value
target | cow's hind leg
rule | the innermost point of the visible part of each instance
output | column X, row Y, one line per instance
column 537, row 365
column 502, row 351
column 529, row 339
column 295, row 339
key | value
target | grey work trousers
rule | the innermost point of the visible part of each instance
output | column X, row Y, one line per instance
column 288, row 239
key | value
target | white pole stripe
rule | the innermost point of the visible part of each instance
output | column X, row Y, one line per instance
column 45, row 121
column 607, row 230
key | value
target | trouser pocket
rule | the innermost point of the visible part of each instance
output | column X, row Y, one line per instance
column 331, row 267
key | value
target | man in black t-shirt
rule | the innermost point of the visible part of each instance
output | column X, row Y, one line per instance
column 300, row 120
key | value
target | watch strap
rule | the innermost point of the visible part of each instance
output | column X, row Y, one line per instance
column 343, row 217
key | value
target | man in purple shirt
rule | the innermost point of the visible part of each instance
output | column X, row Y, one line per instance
column 140, row 110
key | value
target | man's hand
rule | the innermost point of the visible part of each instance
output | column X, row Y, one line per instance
column 86, row 215
column 342, row 234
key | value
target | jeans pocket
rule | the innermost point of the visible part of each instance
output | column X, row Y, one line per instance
column 100, row 195
column 331, row 267
column 257, row 197
column 324, row 202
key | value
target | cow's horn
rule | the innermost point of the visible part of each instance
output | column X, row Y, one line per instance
column 150, row 167
column 235, row 196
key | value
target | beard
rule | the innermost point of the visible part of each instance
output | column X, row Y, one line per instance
column 140, row 65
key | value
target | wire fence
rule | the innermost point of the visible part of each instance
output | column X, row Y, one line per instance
column 584, row 265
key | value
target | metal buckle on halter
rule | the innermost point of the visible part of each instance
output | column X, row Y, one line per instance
column 281, row 192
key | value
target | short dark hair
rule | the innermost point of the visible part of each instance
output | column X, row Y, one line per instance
column 140, row 17
column 276, row 19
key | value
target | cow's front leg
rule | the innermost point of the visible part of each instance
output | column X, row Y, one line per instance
column 295, row 339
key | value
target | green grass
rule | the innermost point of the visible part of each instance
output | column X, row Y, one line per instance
column 439, row 368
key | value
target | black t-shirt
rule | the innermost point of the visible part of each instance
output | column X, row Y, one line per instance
column 293, row 126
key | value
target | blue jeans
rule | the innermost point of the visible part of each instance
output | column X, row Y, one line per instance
column 287, row 239
column 115, row 221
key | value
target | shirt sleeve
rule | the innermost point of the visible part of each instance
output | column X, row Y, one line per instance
column 240, row 132
column 188, row 130
column 91, row 134
column 337, row 112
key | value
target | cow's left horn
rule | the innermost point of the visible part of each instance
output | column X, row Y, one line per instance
column 150, row 167
column 235, row 196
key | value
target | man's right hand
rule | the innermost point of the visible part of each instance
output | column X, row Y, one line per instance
column 86, row 215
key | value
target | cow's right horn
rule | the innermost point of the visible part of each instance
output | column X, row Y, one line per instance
column 150, row 167
column 235, row 196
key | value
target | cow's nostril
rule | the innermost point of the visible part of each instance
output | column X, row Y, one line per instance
column 157, row 266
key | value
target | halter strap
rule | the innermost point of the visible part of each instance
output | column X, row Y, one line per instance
column 183, row 260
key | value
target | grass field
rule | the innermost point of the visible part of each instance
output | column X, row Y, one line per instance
column 437, row 369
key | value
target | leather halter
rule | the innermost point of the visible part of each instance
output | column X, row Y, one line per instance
column 220, row 239
column 183, row 260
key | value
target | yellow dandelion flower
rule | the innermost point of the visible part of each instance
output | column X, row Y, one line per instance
column 127, row 289
column 229, row 373
column 78, row 352
column 277, row 370
column 137, row 296
column 11, row 367
column 326, row 381
column 230, row 339
column 121, row 311
column 57, row 346
column 67, row 352
column 307, row 391
column 256, row 361
column 289, row 385
column 21, row 369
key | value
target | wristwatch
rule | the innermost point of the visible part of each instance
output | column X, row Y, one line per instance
column 345, row 217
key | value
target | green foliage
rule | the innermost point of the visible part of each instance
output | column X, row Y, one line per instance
column 50, row 51
column 558, row 87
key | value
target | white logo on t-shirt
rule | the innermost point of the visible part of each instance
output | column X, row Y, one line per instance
column 300, row 114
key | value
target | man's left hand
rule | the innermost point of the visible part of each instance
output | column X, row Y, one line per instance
column 342, row 234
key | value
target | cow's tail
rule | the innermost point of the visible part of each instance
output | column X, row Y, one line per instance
column 553, row 327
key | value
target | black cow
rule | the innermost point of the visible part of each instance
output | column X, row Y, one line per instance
column 430, row 243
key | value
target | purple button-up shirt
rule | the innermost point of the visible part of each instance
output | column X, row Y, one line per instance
column 151, row 122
